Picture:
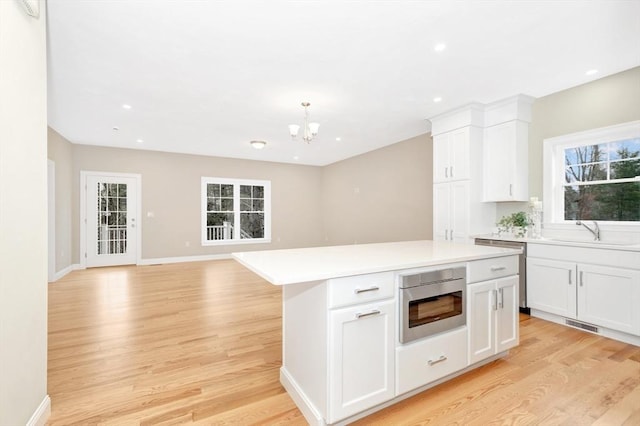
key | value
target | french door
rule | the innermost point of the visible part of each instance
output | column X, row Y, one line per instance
column 111, row 228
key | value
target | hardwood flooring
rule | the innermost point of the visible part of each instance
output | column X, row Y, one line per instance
column 200, row 343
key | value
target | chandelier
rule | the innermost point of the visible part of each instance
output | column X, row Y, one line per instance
column 309, row 131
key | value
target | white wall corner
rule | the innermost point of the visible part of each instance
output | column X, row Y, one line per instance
column 65, row 271
column 42, row 413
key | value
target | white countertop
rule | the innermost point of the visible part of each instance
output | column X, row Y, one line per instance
column 569, row 243
column 292, row 266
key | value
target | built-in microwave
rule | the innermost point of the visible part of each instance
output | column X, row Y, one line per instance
column 432, row 302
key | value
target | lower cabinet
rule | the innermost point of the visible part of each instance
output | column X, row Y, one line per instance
column 430, row 359
column 361, row 358
column 492, row 309
column 551, row 286
column 599, row 295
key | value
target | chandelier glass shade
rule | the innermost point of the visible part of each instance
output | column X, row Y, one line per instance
column 309, row 130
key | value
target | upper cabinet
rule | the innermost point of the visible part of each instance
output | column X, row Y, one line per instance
column 506, row 150
column 451, row 155
column 458, row 210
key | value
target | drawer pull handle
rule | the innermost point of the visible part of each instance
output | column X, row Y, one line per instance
column 368, row 314
column 364, row 290
column 498, row 268
column 441, row 359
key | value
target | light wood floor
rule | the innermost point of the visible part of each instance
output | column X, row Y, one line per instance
column 201, row 343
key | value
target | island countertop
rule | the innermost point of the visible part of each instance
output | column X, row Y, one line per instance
column 291, row 266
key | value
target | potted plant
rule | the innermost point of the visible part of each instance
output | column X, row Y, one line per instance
column 516, row 223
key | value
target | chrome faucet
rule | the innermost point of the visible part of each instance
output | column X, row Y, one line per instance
column 595, row 230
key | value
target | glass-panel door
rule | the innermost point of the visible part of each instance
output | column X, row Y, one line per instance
column 111, row 228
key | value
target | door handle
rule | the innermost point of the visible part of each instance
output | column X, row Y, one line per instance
column 451, row 171
column 498, row 268
column 581, row 278
column 510, row 189
column 495, row 299
column 501, row 305
column 446, row 172
column 570, row 275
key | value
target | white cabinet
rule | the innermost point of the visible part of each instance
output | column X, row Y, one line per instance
column 451, row 152
column 609, row 297
column 361, row 358
column 451, row 211
column 551, row 286
column 430, row 359
column 492, row 308
column 505, row 157
column 600, row 295
column 458, row 210
column 339, row 344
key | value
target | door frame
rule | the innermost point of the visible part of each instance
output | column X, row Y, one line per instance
column 83, row 211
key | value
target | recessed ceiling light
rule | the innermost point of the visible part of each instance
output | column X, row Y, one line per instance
column 338, row 139
column 591, row 72
column 139, row 140
column 296, row 157
column 258, row 144
column 126, row 106
column 439, row 47
column 437, row 99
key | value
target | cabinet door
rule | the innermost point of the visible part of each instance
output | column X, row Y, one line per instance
column 451, row 152
column 505, row 162
column 361, row 358
column 498, row 160
column 481, row 304
column 507, row 315
column 441, row 211
column 441, row 157
column 459, row 212
column 551, row 286
column 609, row 297
column 459, row 150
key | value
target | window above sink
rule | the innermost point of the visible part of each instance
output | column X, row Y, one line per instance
column 593, row 175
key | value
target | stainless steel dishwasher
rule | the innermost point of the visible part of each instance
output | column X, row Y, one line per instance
column 522, row 264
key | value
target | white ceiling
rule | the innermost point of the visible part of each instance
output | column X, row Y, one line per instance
column 206, row 77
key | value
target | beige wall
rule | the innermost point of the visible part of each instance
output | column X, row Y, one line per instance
column 171, row 191
column 610, row 100
column 60, row 152
column 311, row 206
column 383, row 195
column 23, row 214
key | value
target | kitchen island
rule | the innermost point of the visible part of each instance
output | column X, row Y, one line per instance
column 342, row 310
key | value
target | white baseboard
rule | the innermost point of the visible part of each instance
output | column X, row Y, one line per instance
column 65, row 271
column 42, row 413
column 181, row 259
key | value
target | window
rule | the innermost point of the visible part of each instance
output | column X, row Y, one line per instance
column 235, row 211
column 594, row 175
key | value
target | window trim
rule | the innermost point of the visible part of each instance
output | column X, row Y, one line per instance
column 266, row 184
column 554, row 168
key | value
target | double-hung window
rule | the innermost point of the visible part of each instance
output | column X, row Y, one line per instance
column 235, row 211
column 594, row 175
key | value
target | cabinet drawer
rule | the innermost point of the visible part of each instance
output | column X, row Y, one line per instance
column 489, row 269
column 360, row 289
column 431, row 359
